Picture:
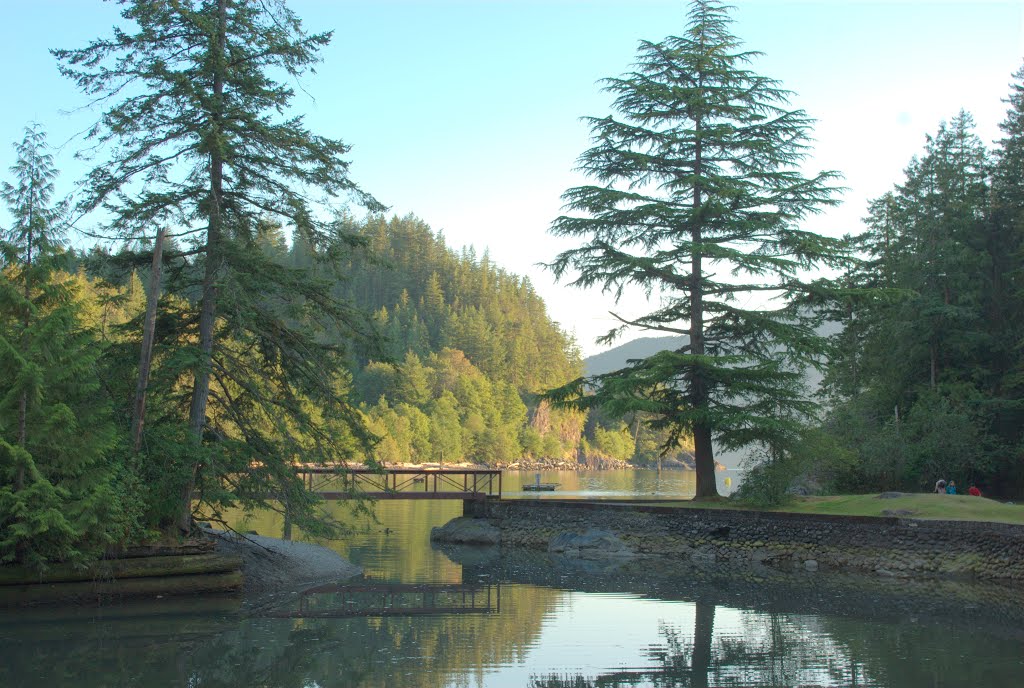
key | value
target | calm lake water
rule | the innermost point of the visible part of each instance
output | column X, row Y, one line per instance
column 461, row 617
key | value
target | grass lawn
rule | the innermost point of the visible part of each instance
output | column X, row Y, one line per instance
column 934, row 506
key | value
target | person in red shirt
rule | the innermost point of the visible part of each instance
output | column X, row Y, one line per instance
column 974, row 491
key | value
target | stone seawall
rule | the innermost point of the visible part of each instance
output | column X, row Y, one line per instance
column 884, row 546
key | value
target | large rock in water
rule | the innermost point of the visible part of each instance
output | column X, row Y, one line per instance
column 593, row 544
column 467, row 531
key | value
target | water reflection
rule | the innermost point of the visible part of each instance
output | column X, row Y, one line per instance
column 338, row 601
column 550, row 621
column 766, row 628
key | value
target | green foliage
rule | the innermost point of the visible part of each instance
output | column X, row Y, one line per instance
column 35, row 529
column 615, row 444
column 458, row 413
column 427, row 297
column 251, row 356
column 61, row 496
column 445, row 430
column 925, row 383
column 699, row 200
column 768, row 478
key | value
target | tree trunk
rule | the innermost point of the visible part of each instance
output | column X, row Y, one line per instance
column 148, row 335
column 703, row 451
column 704, row 462
column 703, row 633
column 932, row 366
column 214, row 256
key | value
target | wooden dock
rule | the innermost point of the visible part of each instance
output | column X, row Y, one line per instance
column 338, row 483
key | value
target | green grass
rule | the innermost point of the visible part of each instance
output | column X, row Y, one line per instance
column 930, row 506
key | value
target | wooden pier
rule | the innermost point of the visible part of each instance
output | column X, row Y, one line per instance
column 333, row 483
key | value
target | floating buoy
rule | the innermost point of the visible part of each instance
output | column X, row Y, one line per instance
column 728, row 482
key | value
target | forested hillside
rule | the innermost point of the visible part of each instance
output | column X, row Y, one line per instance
column 473, row 345
column 464, row 349
column 427, row 297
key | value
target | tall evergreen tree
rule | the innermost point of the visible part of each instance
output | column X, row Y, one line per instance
column 924, row 384
column 699, row 203
column 1005, row 304
column 35, row 234
column 58, row 498
column 196, row 139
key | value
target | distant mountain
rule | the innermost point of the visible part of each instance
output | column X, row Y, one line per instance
column 614, row 359
column 617, row 358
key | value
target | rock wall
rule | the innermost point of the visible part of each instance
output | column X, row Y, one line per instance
column 885, row 546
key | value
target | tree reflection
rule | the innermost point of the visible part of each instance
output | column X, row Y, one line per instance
column 678, row 662
column 225, row 649
column 779, row 656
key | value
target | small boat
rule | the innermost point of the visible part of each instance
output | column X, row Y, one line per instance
column 539, row 487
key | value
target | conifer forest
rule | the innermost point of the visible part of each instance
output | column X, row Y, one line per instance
column 220, row 299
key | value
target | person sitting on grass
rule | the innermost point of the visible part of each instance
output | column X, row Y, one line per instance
column 973, row 491
column 951, row 487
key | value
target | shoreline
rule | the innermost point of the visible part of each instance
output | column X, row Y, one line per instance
column 233, row 565
column 273, row 564
column 889, row 546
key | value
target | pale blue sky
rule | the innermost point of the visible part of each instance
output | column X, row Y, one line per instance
column 467, row 113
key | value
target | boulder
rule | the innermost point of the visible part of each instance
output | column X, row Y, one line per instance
column 805, row 485
column 703, row 555
column 592, row 544
column 467, row 531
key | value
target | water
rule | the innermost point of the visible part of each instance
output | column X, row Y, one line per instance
column 462, row 617
column 632, row 484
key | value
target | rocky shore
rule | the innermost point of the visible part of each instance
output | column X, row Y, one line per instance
column 271, row 564
column 892, row 547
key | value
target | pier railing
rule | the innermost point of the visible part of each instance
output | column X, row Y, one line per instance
column 403, row 483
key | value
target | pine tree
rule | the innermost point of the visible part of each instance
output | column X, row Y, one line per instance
column 35, row 233
column 917, row 389
column 58, row 499
column 1005, row 303
column 200, row 144
column 699, row 203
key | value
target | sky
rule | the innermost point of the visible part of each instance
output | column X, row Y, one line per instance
column 468, row 113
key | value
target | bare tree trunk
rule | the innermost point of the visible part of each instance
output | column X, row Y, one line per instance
column 214, row 257
column 148, row 335
column 933, row 365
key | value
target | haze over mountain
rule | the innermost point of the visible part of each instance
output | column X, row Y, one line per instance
column 642, row 347
column 618, row 357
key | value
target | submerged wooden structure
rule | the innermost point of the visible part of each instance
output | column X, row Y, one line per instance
column 392, row 599
column 130, row 576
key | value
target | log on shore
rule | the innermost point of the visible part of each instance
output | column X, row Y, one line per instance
column 160, row 550
column 121, row 569
column 192, row 584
